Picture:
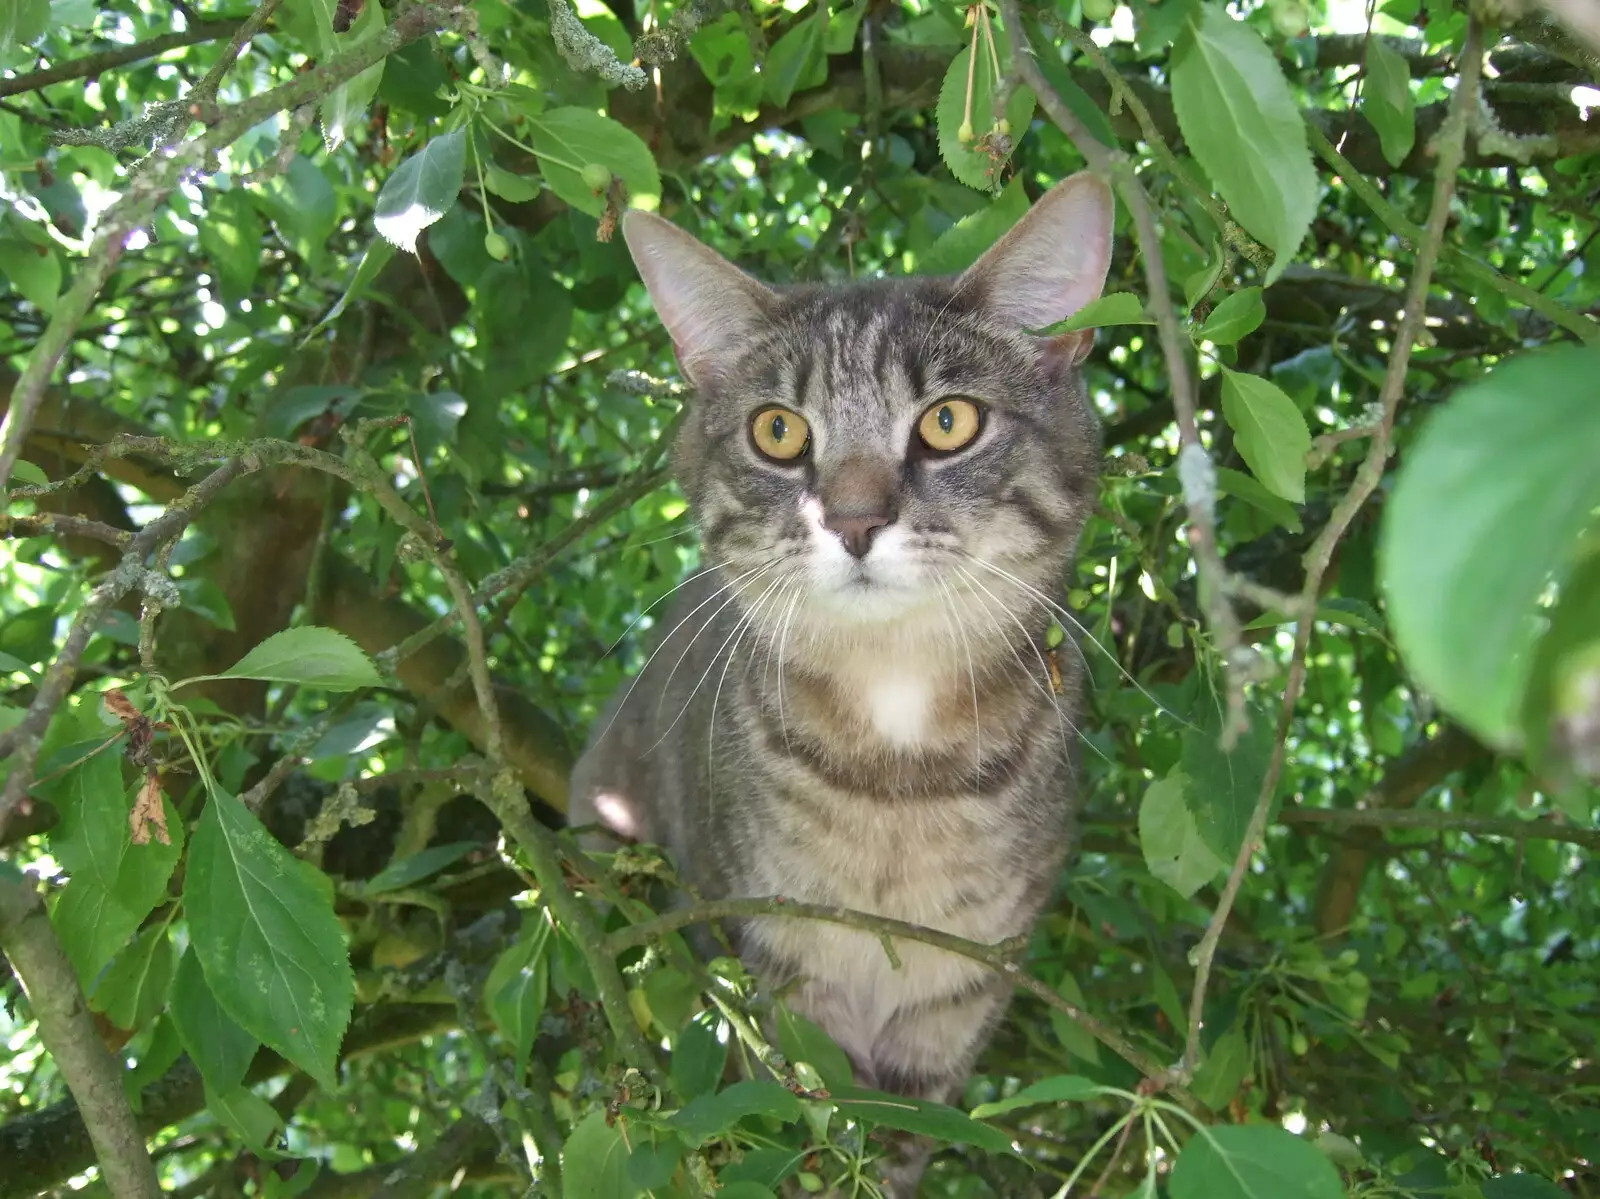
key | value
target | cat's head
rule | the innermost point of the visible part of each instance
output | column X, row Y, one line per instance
column 858, row 454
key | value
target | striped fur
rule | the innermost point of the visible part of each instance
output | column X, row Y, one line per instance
column 881, row 732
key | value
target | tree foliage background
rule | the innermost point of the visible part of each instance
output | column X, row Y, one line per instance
column 312, row 318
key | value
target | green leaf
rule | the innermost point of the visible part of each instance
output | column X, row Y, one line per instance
column 303, row 208
column 1485, row 513
column 1223, row 788
column 422, row 189
column 517, row 988
column 418, row 866
column 23, row 21
column 699, row 1056
column 1174, row 850
column 1059, row 1088
column 251, row 1118
column 796, row 60
column 231, row 236
column 1521, row 1186
column 1242, row 487
column 1118, row 308
column 1563, row 692
column 262, row 924
column 1270, row 432
column 1074, row 1037
column 1253, row 1161
column 1226, row 1064
column 803, row 1041
column 1236, row 317
column 712, row 1115
column 969, row 162
column 377, row 255
column 568, row 139
column 594, row 1161
column 134, row 987
column 653, row 1159
column 115, row 884
column 220, row 1048
column 961, row 245
column 937, row 1120
column 512, row 188
column 310, row 656
column 1240, row 119
column 33, row 271
column 842, row 27
column 1386, row 100
column 347, row 104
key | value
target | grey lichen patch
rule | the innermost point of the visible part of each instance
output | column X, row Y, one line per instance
column 585, row 52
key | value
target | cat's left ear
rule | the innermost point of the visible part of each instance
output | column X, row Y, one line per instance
column 1052, row 262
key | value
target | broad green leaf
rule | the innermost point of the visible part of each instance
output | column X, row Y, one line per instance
column 262, row 924
column 304, row 209
column 594, row 1161
column 1226, row 1064
column 310, row 656
column 231, row 236
column 213, row 1039
column 1242, row 122
column 1236, row 317
column 652, row 1159
column 347, row 104
column 1270, row 432
column 1060, row 1088
column 699, row 1056
column 1074, row 1037
column 842, row 27
column 422, row 189
column 745, row 1190
column 796, row 60
column 712, row 1115
column 517, row 988
column 961, row 245
column 567, row 140
column 979, row 163
column 133, row 989
column 1198, row 284
column 1174, row 850
column 1253, row 1161
column 1563, row 693
column 33, row 271
column 1223, row 788
column 1119, row 308
column 803, row 1041
column 937, row 1120
column 1386, row 100
column 1486, row 511
column 114, row 883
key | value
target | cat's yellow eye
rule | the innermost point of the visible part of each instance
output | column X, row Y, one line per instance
column 780, row 434
column 949, row 425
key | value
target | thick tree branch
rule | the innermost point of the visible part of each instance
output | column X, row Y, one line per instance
column 68, row 1032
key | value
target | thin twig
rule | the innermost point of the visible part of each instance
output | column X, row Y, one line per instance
column 1195, row 469
column 91, row 65
column 1000, row 958
column 1451, row 145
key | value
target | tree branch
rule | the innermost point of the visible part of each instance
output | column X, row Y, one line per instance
column 91, row 65
column 1508, row 827
column 1195, row 468
column 1451, row 147
column 69, row 1034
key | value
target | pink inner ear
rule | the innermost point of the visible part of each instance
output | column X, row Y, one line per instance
column 1069, row 349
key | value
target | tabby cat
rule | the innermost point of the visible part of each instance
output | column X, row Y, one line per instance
column 851, row 704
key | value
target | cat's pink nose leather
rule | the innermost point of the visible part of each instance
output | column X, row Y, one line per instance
column 855, row 531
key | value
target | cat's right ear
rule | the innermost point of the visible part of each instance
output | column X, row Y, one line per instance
column 709, row 306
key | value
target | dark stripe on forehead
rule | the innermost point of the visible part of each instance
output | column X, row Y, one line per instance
column 802, row 379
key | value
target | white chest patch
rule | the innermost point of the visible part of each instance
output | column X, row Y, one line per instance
column 899, row 706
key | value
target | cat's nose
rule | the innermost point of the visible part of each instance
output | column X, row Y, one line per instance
column 856, row 532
